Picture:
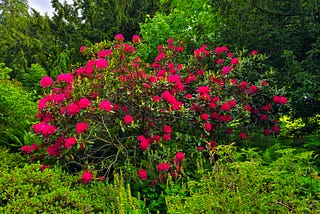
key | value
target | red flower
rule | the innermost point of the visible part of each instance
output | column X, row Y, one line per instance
column 144, row 145
column 163, row 167
column 46, row 81
column 253, row 89
column 105, row 105
column 86, row 176
column 247, row 107
column 254, row 52
column 166, row 137
column 229, row 131
column 200, row 148
column 141, row 138
column 203, row 89
column 215, row 115
column 219, row 50
column 234, row 61
column 101, row 63
column 81, row 127
column 208, row 126
column 174, row 78
column 225, row 106
column 243, row 85
column 84, row 103
column 213, row 144
column 179, row 156
column 233, row 103
column 53, row 150
column 82, row 49
column 243, row 135
column 67, row 78
column 219, row 61
column 44, row 166
column 189, row 96
column 136, row 38
column 276, row 129
column 226, row 70
column 128, row 119
column 27, row 149
column 267, row 132
column 104, row 53
column 280, row 100
column 167, row 129
column 70, row 142
column 73, row 109
column 143, row 174
column 283, row 100
column 119, row 37
column 263, row 117
column 264, row 83
column 204, row 116
column 156, row 99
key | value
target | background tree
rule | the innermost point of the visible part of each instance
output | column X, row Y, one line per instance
column 288, row 32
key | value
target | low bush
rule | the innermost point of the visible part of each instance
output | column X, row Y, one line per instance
column 286, row 185
column 31, row 190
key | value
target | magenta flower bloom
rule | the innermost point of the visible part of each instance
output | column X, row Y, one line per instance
column 73, row 109
column 203, row 89
column 46, row 81
column 81, row 127
column 86, row 177
column 143, row 175
column 82, row 49
column 128, row 119
column 67, row 78
column 243, row 135
column 136, row 38
column 84, row 103
column 105, row 105
column 101, row 63
column 179, row 157
column 225, row 106
column 119, row 37
column 163, row 167
column 69, row 142
column 167, row 129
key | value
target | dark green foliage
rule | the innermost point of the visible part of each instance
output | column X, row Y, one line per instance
column 288, row 32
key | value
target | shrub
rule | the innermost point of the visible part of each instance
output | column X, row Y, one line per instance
column 17, row 111
column 11, row 160
column 118, row 111
column 31, row 190
column 283, row 186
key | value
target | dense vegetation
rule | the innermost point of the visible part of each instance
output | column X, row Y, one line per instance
column 197, row 106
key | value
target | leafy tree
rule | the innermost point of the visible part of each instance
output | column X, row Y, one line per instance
column 288, row 32
column 193, row 22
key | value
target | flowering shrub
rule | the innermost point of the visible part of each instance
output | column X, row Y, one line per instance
column 118, row 110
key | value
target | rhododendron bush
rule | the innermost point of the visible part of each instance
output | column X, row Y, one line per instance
column 117, row 110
